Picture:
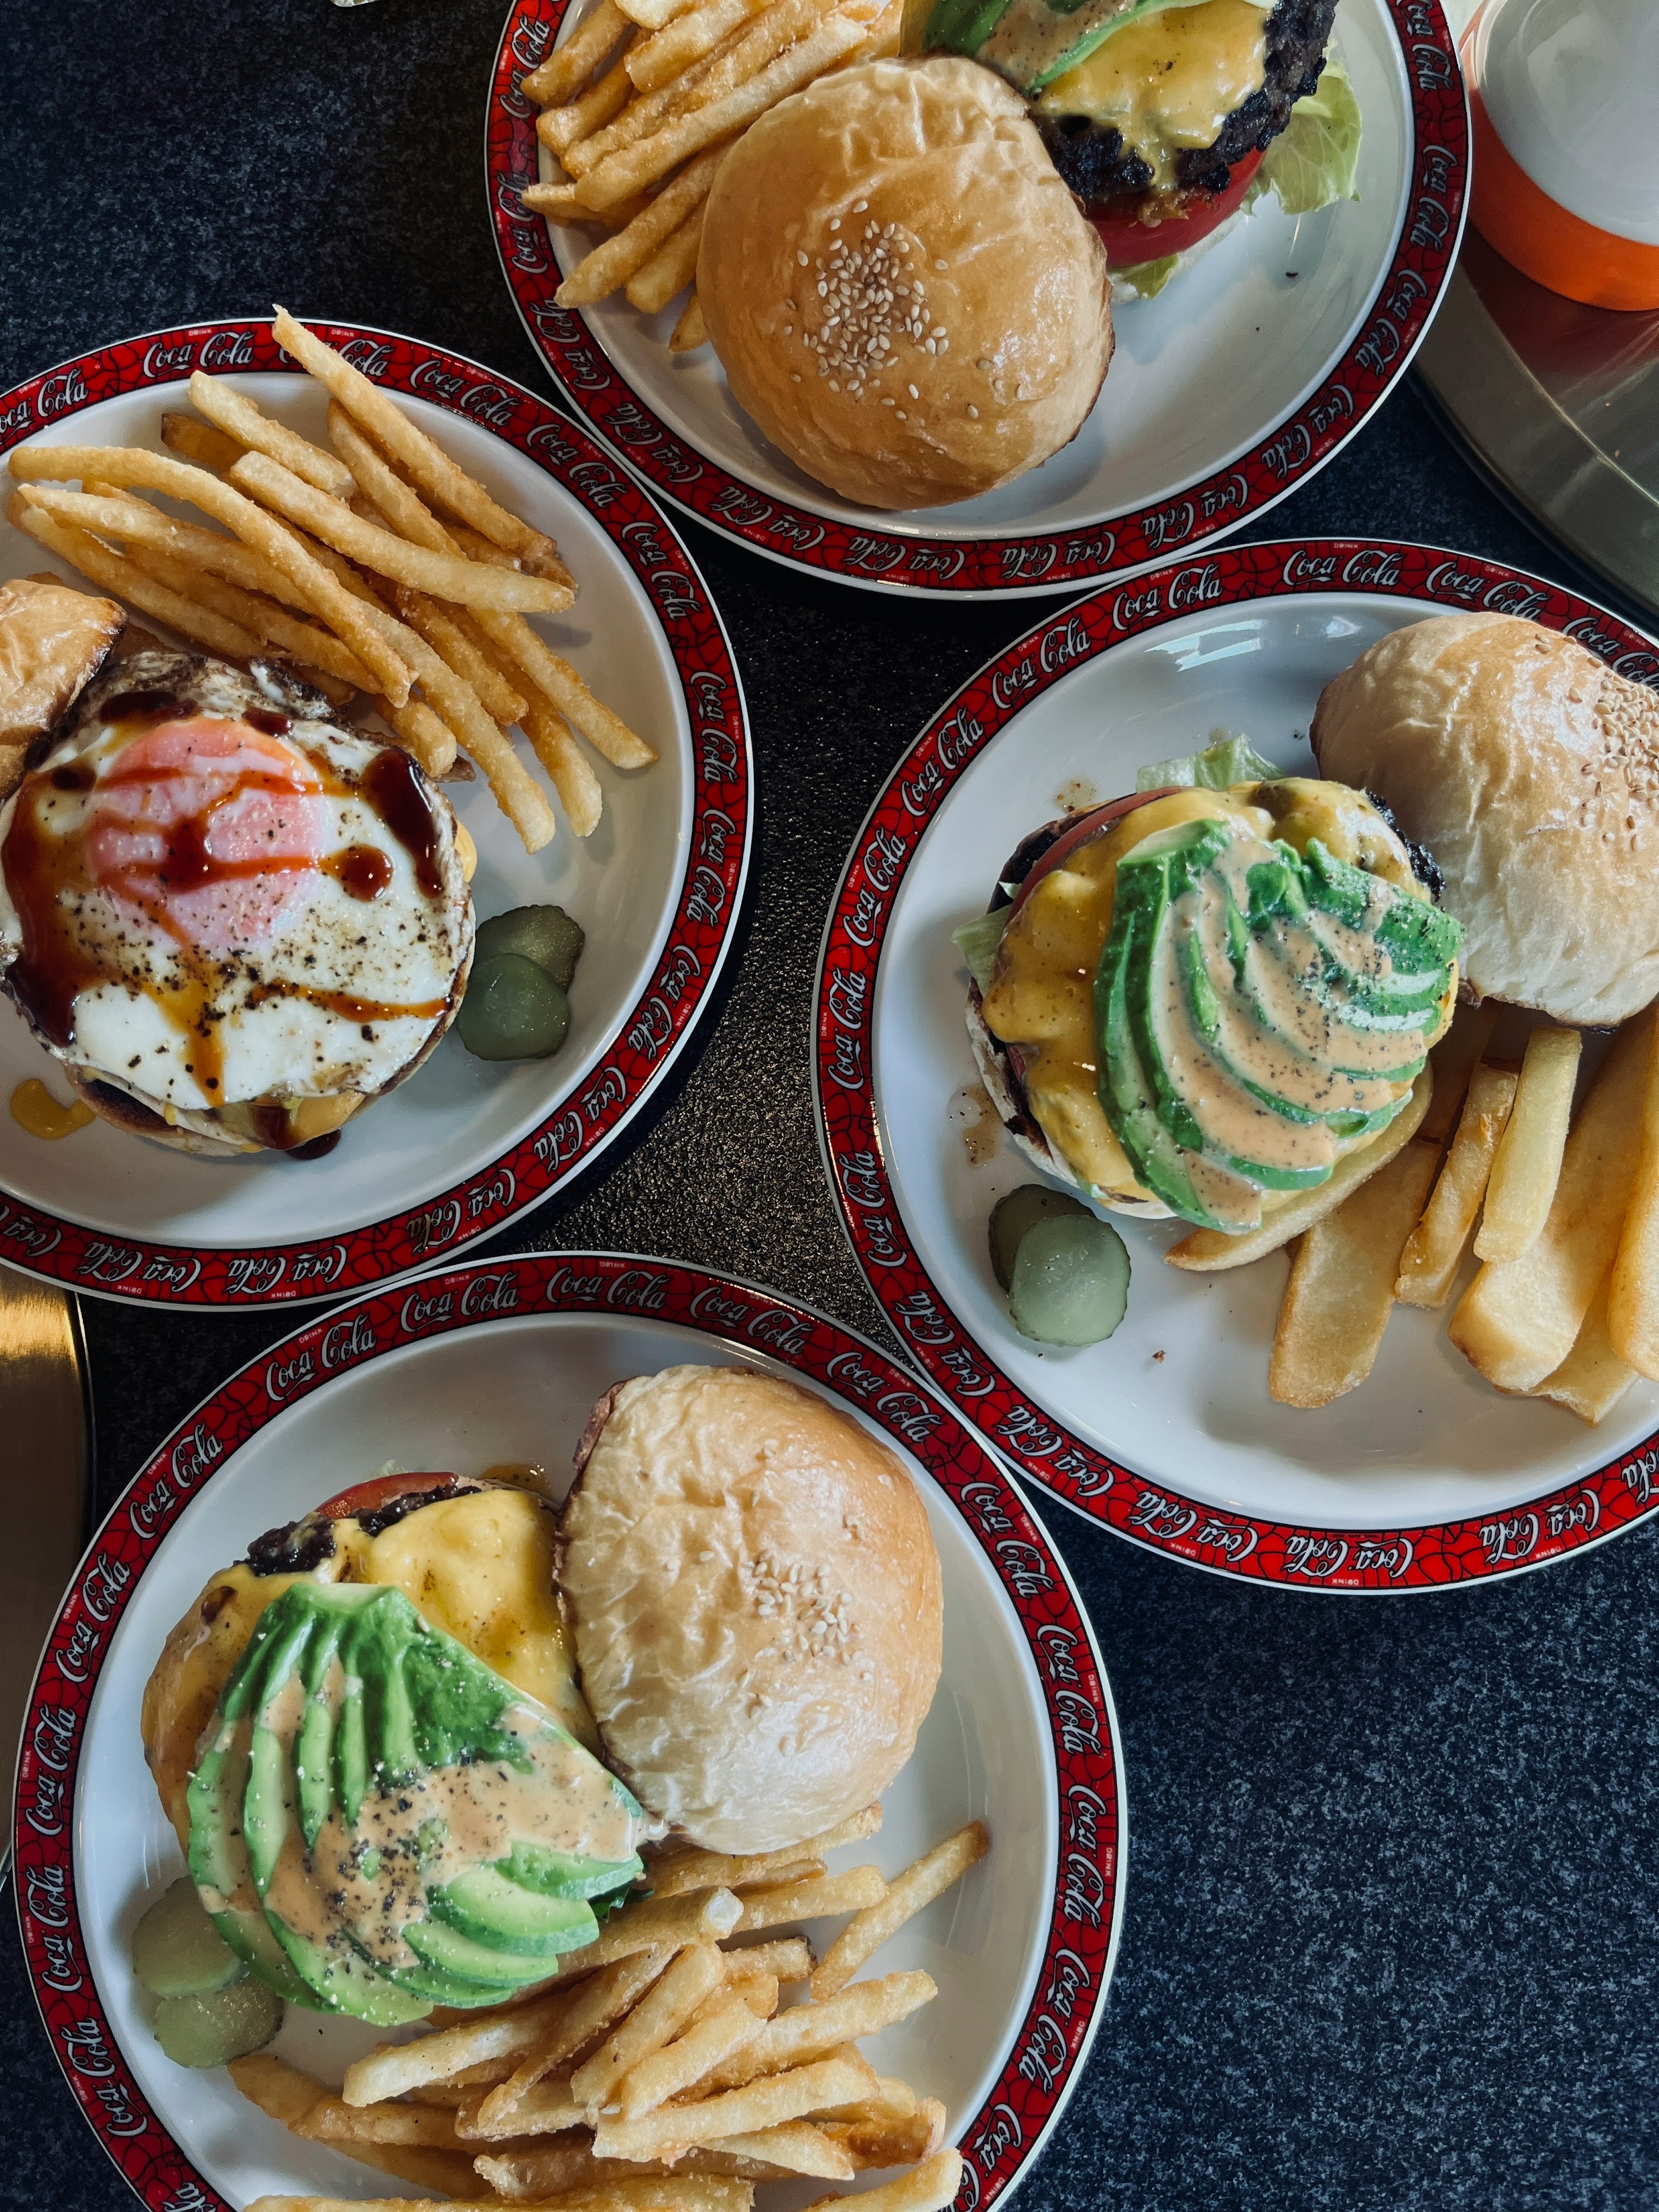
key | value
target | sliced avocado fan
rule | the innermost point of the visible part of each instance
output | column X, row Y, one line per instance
column 1258, row 1011
column 381, row 1823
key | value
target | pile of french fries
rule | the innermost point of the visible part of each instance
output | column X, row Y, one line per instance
column 658, row 2073
column 1562, row 1209
column 642, row 103
column 336, row 559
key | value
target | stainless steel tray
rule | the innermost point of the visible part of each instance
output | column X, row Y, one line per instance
column 1558, row 405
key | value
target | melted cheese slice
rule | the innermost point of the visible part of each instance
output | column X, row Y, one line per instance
column 1168, row 81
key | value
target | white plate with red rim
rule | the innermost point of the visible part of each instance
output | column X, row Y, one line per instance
column 1421, row 1478
column 491, row 1364
column 1228, row 391
column 466, row 1145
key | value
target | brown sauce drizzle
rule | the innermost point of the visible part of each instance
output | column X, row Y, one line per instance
column 391, row 787
column 268, row 720
column 362, row 871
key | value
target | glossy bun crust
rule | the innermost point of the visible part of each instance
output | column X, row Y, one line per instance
column 1530, row 771
column 914, row 199
column 756, row 1601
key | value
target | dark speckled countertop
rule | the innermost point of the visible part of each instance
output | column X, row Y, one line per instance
column 1391, row 1930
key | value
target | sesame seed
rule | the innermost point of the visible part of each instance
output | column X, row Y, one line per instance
column 835, row 223
column 789, row 330
column 941, row 264
column 973, row 411
column 913, row 393
column 859, row 206
column 903, row 416
column 794, row 376
column 801, row 258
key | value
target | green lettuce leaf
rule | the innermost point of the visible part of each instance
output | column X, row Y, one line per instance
column 977, row 942
column 1315, row 160
column 1226, row 761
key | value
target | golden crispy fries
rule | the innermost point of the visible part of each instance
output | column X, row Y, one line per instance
column 560, row 127
column 859, row 1887
column 1434, row 1250
column 129, row 468
column 674, row 1921
column 1208, row 1250
column 654, row 61
column 496, row 695
column 917, row 1887
column 113, row 573
column 135, row 522
column 444, row 575
column 1340, row 1291
column 1519, row 1318
column 758, row 1991
column 695, row 1974
column 691, row 331
column 603, row 2000
column 433, row 2172
column 890, row 2100
column 797, row 2147
column 790, row 1959
column 547, row 2109
column 764, row 2104
column 1633, row 1294
column 929, row 2187
column 330, row 2119
column 552, row 2169
column 637, row 121
column 517, row 794
column 1521, row 1186
column 193, row 440
column 617, row 260
column 808, row 2031
column 710, row 2041
column 651, row 15
column 395, row 2069
column 558, row 681
column 439, row 477
column 671, row 268
column 573, row 778
column 313, row 648
column 1453, row 1061
column 570, row 66
column 420, row 733
column 631, row 170
column 239, row 418
column 889, row 2141
column 280, row 2090
column 558, row 203
column 1594, row 1377
column 685, row 1873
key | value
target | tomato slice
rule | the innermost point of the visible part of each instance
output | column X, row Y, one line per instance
column 1084, row 831
column 1128, row 240
column 370, row 1497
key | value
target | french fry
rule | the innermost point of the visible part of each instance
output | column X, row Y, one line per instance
column 560, row 127
column 604, row 1999
column 855, row 1891
column 620, row 257
column 797, row 2147
column 281, row 2091
column 758, row 1991
column 547, row 2109
column 1453, row 1060
column 676, row 1921
column 790, row 1958
column 195, row 441
column 695, row 1974
column 890, row 2101
column 330, row 2119
column 496, row 695
column 1594, row 1377
column 239, row 419
column 676, row 1873
column 638, row 120
column 691, row 331
column 117, row 514
column 1340, row 1293
column 810, row 2030
column 888, row 2140
column 1434, row 1250
column 652, row 62
column 763, row 2103
column 558, row 681
column 114, row 572
column 1633, row 1294
column 444, row 575
column 635, row 168
column 130, row 468
column 552, row 2169
column 1519, row 1319
column 558, row 203
column 395, row 2069
column 708, row 2042
column 445, row 2173
column 1521, row 1186
column 439, row 477
column 578, row 790
column 421, row 733
column 519, row 798
column 651, row 15
column 671, row 268
column 312, row 646
column 1206, row 1250
column 929, row 2187
column 570, row 66
column 906, row 1895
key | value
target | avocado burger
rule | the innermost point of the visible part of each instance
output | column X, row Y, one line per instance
column 1196, row 1002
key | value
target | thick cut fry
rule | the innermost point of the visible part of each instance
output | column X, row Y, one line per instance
column 1340, row 1293
column 198, row 442
column 239, row 418
column 444, row 575
column 1633, row 1294
column 708, row 2042
column 602, row 2000
column 810, row 2030
column 551, row 2170
column 548, row 2109
column 651, row 15
column 278, row 2089
column 764, row 2104
column 439, row 476
column 638, row 165
column 496, row 695
column 579, row 789
column 570, row 66
column 558, row 203
column 695, row 1974
column 691, row 331
column 1593, row 1377
column 652, row 62
column 1434, row 1250
column 790, row 1958
column 308, row 643
column 559, row 127
column 617, row 260
column 116, row 574
column 434, row 2173
column 677, row 1873
column 1519, row 1318
column 671, row 268
column 1521, row 1186
column 558, row 681
column 1207, row 1249
column 917, row 1887
column 676, row 1921
column 797, row 2146
column 395, row 2069
column 891, row 2101
column 1453, row 1060
column 887, row 2141
column 859, row 1887
column 131, row 467
column 330, row 2119
column 421, row 733
column 758, row 1991
column 929, row 2187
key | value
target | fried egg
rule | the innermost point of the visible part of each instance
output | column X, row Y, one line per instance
column 231, row 919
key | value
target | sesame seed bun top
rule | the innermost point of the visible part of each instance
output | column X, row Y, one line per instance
column 901, row 291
